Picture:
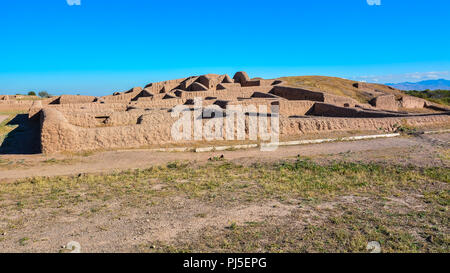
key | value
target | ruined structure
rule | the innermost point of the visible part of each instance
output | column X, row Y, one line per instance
column 142, row 117
column 15, row 102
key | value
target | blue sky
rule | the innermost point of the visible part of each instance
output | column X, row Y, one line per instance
column 103, row 46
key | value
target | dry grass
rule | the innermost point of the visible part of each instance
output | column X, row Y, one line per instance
column 337, row 86
column 343, row 226
column 4, row 128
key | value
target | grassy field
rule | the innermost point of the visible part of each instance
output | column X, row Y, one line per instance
column 336, row 207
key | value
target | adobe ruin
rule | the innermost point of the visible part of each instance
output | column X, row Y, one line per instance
column 141, row 117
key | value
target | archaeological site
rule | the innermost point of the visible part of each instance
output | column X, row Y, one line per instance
column 143, row 117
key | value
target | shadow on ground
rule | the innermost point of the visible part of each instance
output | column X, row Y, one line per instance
column 24, row 139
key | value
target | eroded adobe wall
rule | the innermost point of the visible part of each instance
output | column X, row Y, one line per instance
column 157, row 87
column 385, row 102
column 87, row 119
column 299, row 126
column 296, row 108
column 72, row 99
column 58, row 134
column 294, row 93
column 331, row 110
column 285, row 107
column 89, row 106
column 339, row 100
column 412, row 102
column 15, row 105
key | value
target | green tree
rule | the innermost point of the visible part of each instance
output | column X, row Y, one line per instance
column 44, row 94
column 31, row 93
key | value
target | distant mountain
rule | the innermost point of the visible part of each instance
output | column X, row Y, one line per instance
column 422, row 85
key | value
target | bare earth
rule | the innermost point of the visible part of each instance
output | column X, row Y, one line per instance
column 21, row 166
column 181, row 223
column 2, row 118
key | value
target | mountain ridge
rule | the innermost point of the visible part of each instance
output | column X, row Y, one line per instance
column 422, row 85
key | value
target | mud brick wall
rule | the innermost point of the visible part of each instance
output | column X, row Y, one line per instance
column 412, row 102
column 330, row 110
column 385, row 102
column 57, row 134
column 66, row 99
column 293, row 93
column 339, row 100
column 15, row 105
column 296, row 108
column 300, row 126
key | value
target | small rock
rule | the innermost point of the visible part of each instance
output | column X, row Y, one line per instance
column 374, row 247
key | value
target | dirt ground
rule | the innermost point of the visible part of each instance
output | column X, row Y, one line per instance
column 2, row 118
column 21, row 166
column 171, row 215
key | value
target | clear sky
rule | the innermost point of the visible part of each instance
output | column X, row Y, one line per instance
column 103, row 46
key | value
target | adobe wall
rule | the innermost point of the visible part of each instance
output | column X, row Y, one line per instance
column 127, row 118
column 15, row 105
column 157, row 104
column 169, row 85
column 437, row 107
column 385, row 102
column 86, row 119
column 294, row 93
column 89, row 106
column 58, row 134
column 66, row 99
column 286, row 108
column 330, row 110
column 339, row 100
column 299, row 126
column 412, row 102
column 296, row 108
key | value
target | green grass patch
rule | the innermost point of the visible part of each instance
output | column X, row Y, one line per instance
column 437, row 96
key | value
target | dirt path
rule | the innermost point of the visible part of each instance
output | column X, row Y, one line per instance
column 40, row 165
column 2, row 118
